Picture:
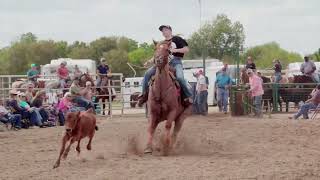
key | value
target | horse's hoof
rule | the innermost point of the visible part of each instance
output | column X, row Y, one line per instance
column 148, row 150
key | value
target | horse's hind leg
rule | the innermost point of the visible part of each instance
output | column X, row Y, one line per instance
column 178, row 124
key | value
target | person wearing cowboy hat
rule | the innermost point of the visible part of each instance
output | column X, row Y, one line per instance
column 179, row 47
column 102, row 71
column 63, row 74
column 201, row 93
column 222, row 84
column 33, row 73
column 256, row 92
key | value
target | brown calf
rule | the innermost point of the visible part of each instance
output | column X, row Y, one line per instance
column 78, row 126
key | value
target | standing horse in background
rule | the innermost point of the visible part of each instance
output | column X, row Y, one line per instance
column 299, row 91
column 105, row 93
column 84, row 78
column 165, row 101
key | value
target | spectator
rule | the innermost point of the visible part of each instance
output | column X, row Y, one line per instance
column 224, row 68
column 222, row 84
column 311, row 103
column 202, row 93
column 87, row 92
column 63, row 107
column 256, row 92
column 250, row 64
column 7, row 117
column 308, row 68
column 16, row 109
column 37, row 104
column 78, row 99
column 32, row 113
column 77, row 72
column 63, row 74
column 102, row 71
column 29, row 93
column 277, row 67
column 33, row 74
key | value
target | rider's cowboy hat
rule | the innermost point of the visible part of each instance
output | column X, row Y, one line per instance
column 165, row 26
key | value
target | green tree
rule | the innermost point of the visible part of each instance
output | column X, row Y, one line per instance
column 28, row 38
column 263, row 55
column 316, row 55
column 102, row 45
column 117, row 60
column 81, row 53
column 220, row 37
column 127, row 44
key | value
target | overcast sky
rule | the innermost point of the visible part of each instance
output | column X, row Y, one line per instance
column 294, row 24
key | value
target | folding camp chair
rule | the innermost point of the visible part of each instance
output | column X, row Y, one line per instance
column 315, row 112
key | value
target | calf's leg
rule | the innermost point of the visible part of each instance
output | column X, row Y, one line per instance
column 90, row 140
column 78, row 147
column 65, row 154
column 64, row 141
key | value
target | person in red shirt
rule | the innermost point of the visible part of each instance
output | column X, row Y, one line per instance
column 63, row 74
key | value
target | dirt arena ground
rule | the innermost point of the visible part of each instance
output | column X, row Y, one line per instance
column 213, row 147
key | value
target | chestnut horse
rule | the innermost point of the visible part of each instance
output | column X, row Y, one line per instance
column 164, row 102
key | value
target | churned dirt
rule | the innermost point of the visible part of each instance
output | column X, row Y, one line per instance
column 214, row 147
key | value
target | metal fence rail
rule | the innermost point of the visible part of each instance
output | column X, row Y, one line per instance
column 117, row 105
column 276, row 96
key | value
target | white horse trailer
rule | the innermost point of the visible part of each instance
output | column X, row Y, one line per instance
column 85, row 65
column 131, row 85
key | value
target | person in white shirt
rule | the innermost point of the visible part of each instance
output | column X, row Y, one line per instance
column 201, row 93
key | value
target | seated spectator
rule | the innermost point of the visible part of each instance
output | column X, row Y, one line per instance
column 6, row 117
column 37, row 104
column 27, row 112
column 64, row 106
column 29, row 93
column 311, row 103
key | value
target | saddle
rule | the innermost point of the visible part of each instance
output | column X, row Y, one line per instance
column 174, row 79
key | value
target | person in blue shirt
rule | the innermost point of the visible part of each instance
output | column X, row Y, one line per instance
column 33, row 73
column 102, row 71
column 222, row 84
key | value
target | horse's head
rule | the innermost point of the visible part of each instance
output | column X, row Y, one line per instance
column 162, row 52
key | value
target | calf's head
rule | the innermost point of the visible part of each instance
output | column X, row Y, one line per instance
column 72, row 119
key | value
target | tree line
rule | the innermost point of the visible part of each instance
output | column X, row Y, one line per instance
column 219, row 38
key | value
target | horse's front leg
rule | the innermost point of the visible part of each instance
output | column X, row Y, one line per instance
column 153, row 123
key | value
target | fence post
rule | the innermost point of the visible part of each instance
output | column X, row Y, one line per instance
column 275, row 96
column 110, row 98
column 121, row 90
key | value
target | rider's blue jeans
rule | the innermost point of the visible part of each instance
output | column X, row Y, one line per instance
column 175, row 63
